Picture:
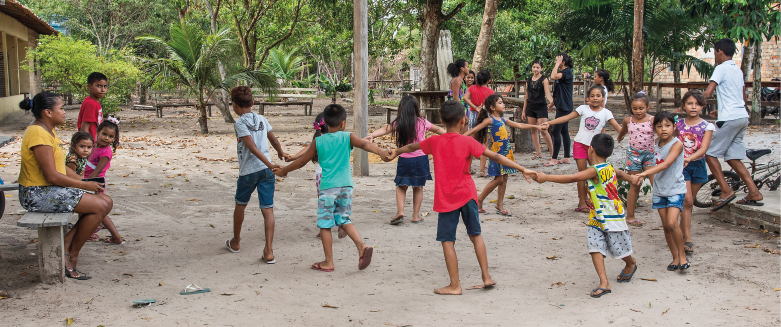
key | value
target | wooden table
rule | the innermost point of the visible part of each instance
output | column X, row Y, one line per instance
column 437, row 96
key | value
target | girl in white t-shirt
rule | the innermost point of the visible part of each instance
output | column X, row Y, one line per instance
column 594, row 118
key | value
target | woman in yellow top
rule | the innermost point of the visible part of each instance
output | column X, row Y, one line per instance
column 46, row 185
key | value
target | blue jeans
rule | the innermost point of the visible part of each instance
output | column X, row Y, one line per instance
column 262, row 180
column 661, row 202
column 448, row 221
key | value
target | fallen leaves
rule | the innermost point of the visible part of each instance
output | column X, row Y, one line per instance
column 68, row 321
column 193, row 200
column 495, row 219
column 665, row 311
column 424, row 214
column 22, row 274
column 329, row 306
column 553, row 257
column 776, row 289
column 650, row 279
column 513, row 235
column 492, row 201
column 227, row 294
column 772, row 251
column 511, row 197
column 88, row 301
column 752, row 246
column 635, row 310
column 557, row 283
column 128, row 274
column 35, row 240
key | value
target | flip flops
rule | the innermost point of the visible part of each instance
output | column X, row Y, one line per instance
column 194, row 289
column 397, row 220
column 747, row 202
column 366, row 258
column 635, row 223
column 107, row 240
column 604, row 291
column 228, row 245
column 503, row 212
column 723, row 202
column 621, row 277
column 582, row 209
column 270, row 262
column 317, row 267
column 82, row 276
column 482, row 212
column 688, row 247
column 417, row 221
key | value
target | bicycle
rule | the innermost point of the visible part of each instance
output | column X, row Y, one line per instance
column 762, row 174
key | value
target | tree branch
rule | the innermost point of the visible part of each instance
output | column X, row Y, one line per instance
column 444, row 18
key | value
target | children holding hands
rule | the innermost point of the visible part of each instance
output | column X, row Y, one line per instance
column 454, row 192
column 334, row 204
column 607, row 232
column 640, row 154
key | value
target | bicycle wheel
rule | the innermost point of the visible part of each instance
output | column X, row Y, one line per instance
column 704, row 197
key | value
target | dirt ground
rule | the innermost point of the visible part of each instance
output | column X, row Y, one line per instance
column 173, row 202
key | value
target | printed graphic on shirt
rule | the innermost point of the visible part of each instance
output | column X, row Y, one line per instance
column 658, row 157
column 592, row 123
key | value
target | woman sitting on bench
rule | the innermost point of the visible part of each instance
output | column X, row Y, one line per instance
column 46, row 185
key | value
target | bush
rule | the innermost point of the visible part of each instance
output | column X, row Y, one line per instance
column 68, row 61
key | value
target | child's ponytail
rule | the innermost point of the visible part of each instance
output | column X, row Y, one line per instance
column 483, row 77
column 640, row 96
column 320, row 128
column 454, row 68
column 113, row 123
column 488, row 107
column 605, row 76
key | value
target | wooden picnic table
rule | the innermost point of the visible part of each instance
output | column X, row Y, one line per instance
column 438, row 96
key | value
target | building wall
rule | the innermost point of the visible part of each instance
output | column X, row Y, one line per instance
column 15, row 39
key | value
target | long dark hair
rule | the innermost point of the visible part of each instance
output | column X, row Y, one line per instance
column 406, row 123
column 605, row 75
column 488, row 108
column 109, row 124
column 454, row 68
column 566, row 60
column 320, row 128
column 482, row 78
column 39, row 103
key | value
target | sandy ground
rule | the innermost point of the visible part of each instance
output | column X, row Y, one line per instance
column 173, row 193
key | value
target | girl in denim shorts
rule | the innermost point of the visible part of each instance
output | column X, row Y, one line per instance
column 669, row 185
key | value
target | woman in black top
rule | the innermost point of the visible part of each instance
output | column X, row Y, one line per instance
column 535, row 106
column 562, row 99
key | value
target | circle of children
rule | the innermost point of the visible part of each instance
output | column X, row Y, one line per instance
column 669, row 152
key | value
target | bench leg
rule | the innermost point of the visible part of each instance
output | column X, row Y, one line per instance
column 51, row 258
column 262, row 109
column 210, row 111
column 387, row 118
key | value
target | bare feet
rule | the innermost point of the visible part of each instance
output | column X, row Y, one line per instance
column 268, row 255
column 448, row 290
column 487, row 284
column 565, row 161
column 417, row 219
column 342, row 233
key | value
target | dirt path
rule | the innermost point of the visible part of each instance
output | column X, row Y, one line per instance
column 173, row 192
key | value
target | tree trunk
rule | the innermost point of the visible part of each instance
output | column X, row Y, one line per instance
column 756, row 94
column 638, row 48
column 220, row 99
column 745, row 63
column 430, row 21
column 677, row 79
column 202, row 119
column 484, row 39
column 142, row 94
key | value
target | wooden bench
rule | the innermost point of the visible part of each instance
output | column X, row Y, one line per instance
column 162, row 96
column 51, row 238
column 291, row 92
column 4, row 188
column 427, row 112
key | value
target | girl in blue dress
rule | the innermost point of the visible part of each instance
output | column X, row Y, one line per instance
column 492, row 128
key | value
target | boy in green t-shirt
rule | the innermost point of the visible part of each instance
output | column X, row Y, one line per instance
column 334, row 202
column 607, row 229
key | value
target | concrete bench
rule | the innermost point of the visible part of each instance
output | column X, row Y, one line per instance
column 51, row 238
column 304, row 99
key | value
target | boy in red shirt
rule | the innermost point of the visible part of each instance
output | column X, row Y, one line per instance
column 454, row 190
column 91, row 113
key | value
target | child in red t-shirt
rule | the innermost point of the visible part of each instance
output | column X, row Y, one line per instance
column 454, row 190
column 91, row 113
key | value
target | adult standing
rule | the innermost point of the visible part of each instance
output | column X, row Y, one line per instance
column 474, row 98
column 46, row 185
column 727, row 141
column 562, row 99
column 535, row 106
column 458, row 70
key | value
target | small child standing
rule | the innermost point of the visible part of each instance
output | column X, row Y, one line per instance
column 90, row 112
column 493, row 127
column 640, row 154
column 253, row 135
column 454, row 191
column 99, row 162
column 670, row 186
column 594, row 118
column 412, row 168
column 334, row 203
column 607, row 229
column 696, row 134
column 81, row 148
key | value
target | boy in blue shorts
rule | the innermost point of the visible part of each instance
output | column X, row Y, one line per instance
column 454, row 190
column 334, row 202
column 253, row 133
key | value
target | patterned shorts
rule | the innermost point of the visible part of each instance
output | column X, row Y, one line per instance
column 334, row 206
column 636, row 159
column 617, row 244
column 49, row 198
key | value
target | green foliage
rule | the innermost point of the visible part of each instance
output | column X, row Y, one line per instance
column 68, row 62
column 333, row 89
column 623, row 189
column 283, row 65
column 371, row 96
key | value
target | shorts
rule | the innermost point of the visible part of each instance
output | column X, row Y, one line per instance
column 617, row 244
column 471, row 117
column 727, row 141
column 262, row 180
column 334, row 206
column 413, row 171
column 696, row 172
column 537, row 111
column 636, row 159
column 661, row 202
column 50, row 198
column 448, row 221
column 580, row 151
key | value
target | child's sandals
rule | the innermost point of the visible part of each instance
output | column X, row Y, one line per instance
column 482, row 211
column 503, row 212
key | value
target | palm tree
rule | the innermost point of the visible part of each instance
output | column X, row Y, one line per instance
column 192, row 63
column 283, row 65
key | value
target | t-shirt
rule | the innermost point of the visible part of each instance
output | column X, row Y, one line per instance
column 691, row 136
column 90, row 112
column 81, row 163
column 608, row 214
column 562, row 90
column 31, row 173
column 670, row 181
column 256, row 126
column 478, row 94
column 420, row 129
column 606, row 93
column 454, row 186
column 729, row 91
column 536, row 90
column 591, row 123
column 94, row 159
column 333, row 154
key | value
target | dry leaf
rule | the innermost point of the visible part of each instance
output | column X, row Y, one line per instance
column 772, row 251
column 68, row 321
column 752, row 246
column 126, row 175
column 330, row 306
column 128, row 274
column 556, row 283
column 256, row 292
column 513, row 235
column 649, row 279
column 376, row 211
column 776, row 289
column 88, row 301
column 193, row 200
column 22, row 274
column 511, row 197
column 492, row 201
column 424, row 214
column 212, row 226
column 495, row 219
column 160, row 284
column 658, row 228
column 35, row 240
column 553, row 257
column 665, row 311
column 226, row 294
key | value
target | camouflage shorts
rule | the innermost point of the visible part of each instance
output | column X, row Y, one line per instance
column 334, row 206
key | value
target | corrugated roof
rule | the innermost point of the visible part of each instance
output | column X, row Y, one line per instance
column 26, row 16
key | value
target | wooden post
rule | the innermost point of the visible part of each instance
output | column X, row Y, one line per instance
column 658, row 98
column 361, row 84
column 51, row 258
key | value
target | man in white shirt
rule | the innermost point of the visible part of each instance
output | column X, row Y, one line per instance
column 727, row 142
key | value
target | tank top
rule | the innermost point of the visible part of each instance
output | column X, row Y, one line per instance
column 536, row 90
column 670, row 181
column 641, row 135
